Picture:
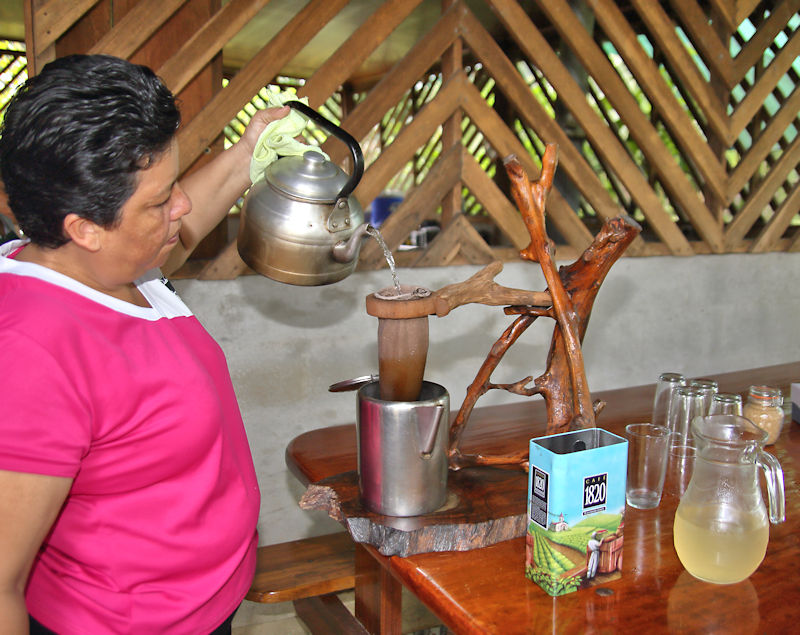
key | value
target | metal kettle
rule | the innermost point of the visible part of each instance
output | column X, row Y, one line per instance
column 300, row 225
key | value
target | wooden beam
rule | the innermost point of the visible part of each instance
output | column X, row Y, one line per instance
column 506, row 143
column 458, row 237
column 201, row 131
column 452, row 63
column 752, row 52
column 349, row 57
column 726, row 9
column 45, row 54
column 390, row 89
column 502, row 211
column 133, row 30
column 714, row 52
column 201, row 48
column 52, row 18
column 402, row 149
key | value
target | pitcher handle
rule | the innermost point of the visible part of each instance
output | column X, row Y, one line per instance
column 428, row 420
column 774, row 475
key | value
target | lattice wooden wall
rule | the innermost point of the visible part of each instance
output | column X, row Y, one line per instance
column 681, row 113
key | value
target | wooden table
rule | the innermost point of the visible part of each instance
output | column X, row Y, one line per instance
column 485, row 590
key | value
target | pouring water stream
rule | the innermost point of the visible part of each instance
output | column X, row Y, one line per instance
column 373, row 231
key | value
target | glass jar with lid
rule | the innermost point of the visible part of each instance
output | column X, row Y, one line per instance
column 764, row 408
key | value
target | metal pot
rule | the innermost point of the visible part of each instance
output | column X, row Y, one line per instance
column 300, row 225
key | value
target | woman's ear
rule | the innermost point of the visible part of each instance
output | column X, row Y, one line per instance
column 83, row 232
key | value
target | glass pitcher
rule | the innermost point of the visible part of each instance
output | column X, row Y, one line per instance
column 721, row 528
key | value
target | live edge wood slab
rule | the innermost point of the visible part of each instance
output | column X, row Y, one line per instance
column 485, row 505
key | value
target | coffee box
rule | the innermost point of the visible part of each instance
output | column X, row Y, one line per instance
column 576, row 509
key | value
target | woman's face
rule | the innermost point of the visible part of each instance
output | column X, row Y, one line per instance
column 149, row 220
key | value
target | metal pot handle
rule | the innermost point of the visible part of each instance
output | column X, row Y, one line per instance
column 343, row 135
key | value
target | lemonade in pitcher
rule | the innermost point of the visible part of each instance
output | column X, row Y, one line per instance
column 717, row 551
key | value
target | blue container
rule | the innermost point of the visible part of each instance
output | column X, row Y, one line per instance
column 576, row 509
column 382, row 206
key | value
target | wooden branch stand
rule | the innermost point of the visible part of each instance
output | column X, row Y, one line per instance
column 487, row 493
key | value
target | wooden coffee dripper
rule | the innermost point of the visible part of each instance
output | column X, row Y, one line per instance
column 402, row 339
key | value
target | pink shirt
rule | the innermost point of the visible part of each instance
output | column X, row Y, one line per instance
column 158, row 533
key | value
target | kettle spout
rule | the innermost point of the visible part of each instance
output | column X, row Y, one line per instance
column 347, row 250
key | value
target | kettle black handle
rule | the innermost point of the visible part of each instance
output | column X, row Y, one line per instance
column 355, row 149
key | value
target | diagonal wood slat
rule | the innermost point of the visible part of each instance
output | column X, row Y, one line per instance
column 403, row 75
column 757, row 202
column 357, row 48
column 753, row 51
column 420, row 204
column 663, row 30
column 743, row 8
column 535, row 46
column 198, row 51
column 136, row 27
column 680, row 125
column 771, row 234
column 506, row 144
column 530, row 110
column 504, row 212
column 769, row 137
column 424, row 124
column 732, row 10
column 706, row 39
column 748, row 108
column 458, row 237
column 648, row 140
column 51, row 19
column 201, row 131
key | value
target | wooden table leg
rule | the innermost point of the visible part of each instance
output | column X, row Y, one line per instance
column 377, row 594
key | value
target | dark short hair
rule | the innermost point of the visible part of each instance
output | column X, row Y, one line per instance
column 74, row 137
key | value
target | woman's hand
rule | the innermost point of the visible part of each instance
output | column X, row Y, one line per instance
column 258, row 122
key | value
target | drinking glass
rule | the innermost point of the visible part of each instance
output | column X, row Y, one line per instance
column 725, row 403
column 647, row 464
column 680, row 466
column 709, row 388
column 687, row 403
column 667, row 383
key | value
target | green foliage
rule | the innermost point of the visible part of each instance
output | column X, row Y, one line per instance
column 578, row 536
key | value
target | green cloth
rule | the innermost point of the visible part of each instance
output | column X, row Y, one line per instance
column 279, row 137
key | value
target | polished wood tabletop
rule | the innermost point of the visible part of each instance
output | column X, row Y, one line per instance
column 485, row 590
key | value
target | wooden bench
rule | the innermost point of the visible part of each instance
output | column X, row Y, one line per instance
column 309, row 573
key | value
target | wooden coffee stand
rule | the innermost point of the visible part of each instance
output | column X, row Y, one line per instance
column 484, row 505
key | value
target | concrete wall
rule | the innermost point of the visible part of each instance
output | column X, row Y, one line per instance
column 285, row 345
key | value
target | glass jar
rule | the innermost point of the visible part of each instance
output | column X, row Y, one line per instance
column 764, row 408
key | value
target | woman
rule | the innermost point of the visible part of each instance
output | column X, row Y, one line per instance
column 128, row 495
